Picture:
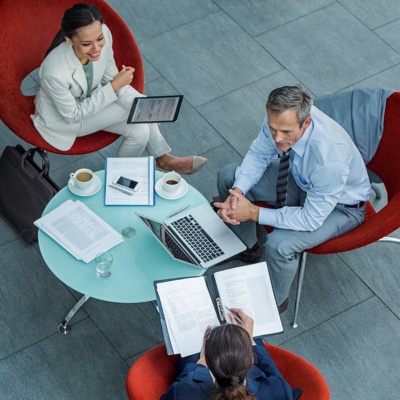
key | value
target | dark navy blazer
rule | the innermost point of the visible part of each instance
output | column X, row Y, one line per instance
column 264, row 380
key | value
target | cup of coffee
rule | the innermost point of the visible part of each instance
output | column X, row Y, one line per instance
column 82, row 178
column 172, row 182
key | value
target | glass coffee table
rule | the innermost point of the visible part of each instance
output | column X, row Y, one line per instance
column 138, row 261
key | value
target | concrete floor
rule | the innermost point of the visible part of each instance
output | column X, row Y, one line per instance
column 224, row 56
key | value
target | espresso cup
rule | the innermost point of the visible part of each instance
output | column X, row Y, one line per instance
column 171, row 182
column 82, row 178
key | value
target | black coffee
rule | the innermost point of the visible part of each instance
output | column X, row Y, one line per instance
column 171, row 182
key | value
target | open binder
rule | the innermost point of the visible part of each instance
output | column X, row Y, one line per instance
column 188, row 305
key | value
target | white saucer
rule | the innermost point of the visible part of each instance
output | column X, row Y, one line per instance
column 96, row 186
column 171, row 196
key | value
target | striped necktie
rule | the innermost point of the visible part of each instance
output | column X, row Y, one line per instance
column 282, row 181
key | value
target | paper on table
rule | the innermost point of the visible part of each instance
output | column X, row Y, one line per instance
column 139, row 169
column 250, row 289
column 79, row 230
column 188, row 309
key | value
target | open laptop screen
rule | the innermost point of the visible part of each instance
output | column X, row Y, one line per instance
column 164, row 237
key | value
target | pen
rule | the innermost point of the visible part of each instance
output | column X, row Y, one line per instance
column 178, row 211
column 121, row 190
column 235, row 316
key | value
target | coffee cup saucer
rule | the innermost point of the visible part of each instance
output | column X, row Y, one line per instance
column 93, row 189
column 171, row 196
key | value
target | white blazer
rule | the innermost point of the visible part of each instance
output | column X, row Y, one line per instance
column 61, row 103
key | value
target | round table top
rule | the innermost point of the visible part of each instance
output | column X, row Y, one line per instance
column 138, row 261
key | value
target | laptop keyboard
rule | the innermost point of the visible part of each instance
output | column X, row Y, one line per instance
column 199, row 240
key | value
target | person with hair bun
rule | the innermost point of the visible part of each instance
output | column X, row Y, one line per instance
column 231, row 366
column 82, row 92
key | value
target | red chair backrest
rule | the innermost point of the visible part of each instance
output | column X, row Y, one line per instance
column 386, row 165
column 154, row 372
column 28, row 28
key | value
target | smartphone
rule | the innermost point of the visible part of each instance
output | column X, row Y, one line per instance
column 126, row 183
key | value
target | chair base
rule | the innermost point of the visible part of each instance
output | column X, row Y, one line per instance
column 300, row 279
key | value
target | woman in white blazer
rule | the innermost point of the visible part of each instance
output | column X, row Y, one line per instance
column 83, row 92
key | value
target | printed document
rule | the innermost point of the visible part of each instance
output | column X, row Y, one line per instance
column 79, row 230
column 188, row 310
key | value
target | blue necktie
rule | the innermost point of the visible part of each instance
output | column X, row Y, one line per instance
column 282, row 181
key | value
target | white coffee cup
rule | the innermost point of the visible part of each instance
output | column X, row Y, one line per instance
column 171, row 182
column 82, row 178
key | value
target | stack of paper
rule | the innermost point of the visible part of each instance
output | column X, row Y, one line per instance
column 79, row 230
column 138, row 169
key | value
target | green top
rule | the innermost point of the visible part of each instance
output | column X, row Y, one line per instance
column 88, row 69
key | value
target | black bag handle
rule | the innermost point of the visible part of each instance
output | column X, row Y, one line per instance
column 30, row 153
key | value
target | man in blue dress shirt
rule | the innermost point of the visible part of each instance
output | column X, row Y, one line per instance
column 327, row 187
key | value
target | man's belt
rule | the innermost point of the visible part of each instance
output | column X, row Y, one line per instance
column 358, row 205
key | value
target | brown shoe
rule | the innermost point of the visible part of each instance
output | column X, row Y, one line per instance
column 249, row 256
column 283, row 307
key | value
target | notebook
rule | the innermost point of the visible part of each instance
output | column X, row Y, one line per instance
column 197, row 237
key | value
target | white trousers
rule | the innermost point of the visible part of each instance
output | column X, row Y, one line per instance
column 137, row 137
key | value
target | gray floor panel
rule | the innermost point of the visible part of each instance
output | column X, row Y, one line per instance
column 330, row 288
column 259, row 16
column 149, row 19
column 373, row 13
column 203, row 75
column 33, row 300
column 378, row 266
column 389, row 33
column 224, row 56
column 79, row 366
column 130, row 328
column 336, row 50
column 357, row 352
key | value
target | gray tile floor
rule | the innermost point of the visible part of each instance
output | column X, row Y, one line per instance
column 224, row 56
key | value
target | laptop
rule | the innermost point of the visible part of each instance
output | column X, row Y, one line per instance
column 197, row 236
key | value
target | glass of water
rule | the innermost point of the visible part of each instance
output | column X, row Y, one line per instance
column 103, row 264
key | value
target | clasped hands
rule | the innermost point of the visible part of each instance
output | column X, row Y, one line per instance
column 237, row 208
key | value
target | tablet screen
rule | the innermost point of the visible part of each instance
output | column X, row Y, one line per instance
column 155, row 109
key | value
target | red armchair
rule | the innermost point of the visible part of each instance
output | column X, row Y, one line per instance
column 154, row 372
column 28, row 27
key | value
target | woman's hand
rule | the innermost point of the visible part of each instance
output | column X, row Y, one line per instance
column 247, row 322
column 123, row 78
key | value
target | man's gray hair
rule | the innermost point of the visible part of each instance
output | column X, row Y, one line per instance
column 293, row 98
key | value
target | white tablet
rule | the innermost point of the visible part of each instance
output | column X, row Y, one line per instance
column 155, row 109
